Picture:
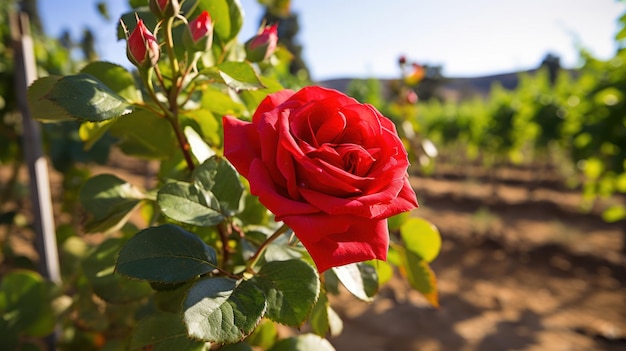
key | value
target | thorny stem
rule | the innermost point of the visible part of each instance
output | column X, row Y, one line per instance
column 147, row 107
column 253, row 260
column 171, row 112
column 160, row 78
column 147, row 80
column 169, row 44
column 224, row 232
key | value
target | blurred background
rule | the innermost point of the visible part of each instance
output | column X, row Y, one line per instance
column 514, row 114
column 469, row 38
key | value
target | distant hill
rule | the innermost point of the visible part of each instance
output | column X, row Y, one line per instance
column 454, row 89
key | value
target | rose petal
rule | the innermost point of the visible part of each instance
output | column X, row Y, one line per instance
column 312, row 175
column 367, row 206
column 339, row 240
column 241, row 143
column 274, row 198
column 406, row 201
column 268, row 104
column 316, row 93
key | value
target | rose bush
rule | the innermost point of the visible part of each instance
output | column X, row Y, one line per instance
column 191, row 260
column 329, row 167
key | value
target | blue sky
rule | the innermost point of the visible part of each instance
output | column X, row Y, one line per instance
column 363, row 38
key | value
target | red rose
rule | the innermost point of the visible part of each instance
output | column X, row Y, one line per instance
column 331, row 168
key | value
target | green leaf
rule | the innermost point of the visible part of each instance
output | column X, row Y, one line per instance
column 223, row 310
column 240, row 76
column 220, row 103
column 166, row 254
column 91, row 132
column 169, row 297
column 264, row 335
column 145, row 135
column 384, row 271
column 205, row 123
column 395, row 222
column 324, row 319
column 99, row 268
column 621, row 35
column 188, row 203
column 116, row 77
column 253, row 211
column 220, row 177
column 422, row 238
column 40, row 107
column 163, row 331
column 306, row 342
column 420, row 276
column 252, row 98
column 360, row 279
column 280, row 251
column 199, row 148
column 614, row 213
column 25, row 305
column 110, row 201
column 86, row 98
column 291, row 288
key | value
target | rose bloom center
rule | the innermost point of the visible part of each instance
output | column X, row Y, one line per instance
column 336, row 142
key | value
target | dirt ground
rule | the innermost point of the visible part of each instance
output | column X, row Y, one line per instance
column 519, row 270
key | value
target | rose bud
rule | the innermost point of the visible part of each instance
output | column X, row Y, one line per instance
column 416, row 75
column 165, row 8
column 402, row 60
column 199, row 33
column 142, row 48
column 329, row 167
column 263, row 45
column 411, row 97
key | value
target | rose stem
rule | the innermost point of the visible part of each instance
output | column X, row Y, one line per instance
column 253, row 260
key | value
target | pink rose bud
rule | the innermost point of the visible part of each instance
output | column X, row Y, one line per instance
column 142, row 47
column 199, row 35
column 263, row 45
column 165, row 8
column 411, row 97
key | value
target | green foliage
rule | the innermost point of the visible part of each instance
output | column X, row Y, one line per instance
column 359, row 279
column 189, row 260
column 324, row 320
column 84, row 97
column 165, row 254
column 574, row 123
column 189, row 203
column 24, row 307
column 291, row 288
column 223, row 310
column 422, row 238
column 110, row 201
column 163, row 331
column 99, row 269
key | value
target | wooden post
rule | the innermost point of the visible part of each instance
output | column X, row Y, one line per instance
column 26, row 73
column 41, row 203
